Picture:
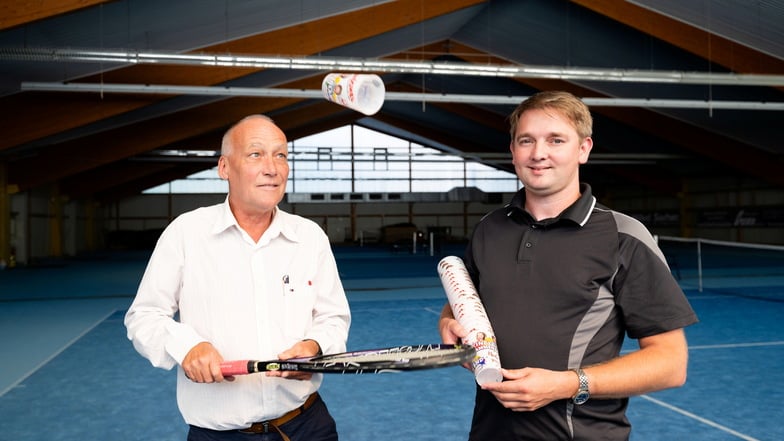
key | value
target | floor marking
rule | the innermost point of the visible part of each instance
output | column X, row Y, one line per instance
column 699, row 418
column 724, row 346
column 56, row 353
column 738, row 345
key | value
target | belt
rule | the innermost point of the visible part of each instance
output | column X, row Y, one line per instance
column 273, row 425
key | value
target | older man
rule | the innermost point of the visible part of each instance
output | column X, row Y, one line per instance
column 247, row 281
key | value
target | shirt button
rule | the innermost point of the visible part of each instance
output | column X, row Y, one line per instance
column 528, row 245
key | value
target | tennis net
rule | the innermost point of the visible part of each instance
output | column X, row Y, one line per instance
column 730, row 268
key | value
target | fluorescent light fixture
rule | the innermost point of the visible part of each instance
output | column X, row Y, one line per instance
column 300, row 156
column 121, row 56
column 390, row 96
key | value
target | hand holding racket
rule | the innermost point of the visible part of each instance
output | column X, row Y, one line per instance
column 373, row 361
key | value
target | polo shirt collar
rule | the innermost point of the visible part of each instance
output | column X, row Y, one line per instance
column 578, row 213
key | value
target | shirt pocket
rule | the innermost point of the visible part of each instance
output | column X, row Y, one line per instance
column 299, row 298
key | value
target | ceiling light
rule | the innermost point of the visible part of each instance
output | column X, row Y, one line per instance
column 120, row 56
column 389, row 96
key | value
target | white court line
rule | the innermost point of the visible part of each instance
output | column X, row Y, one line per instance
column 431, row 310
column 725, row 346
column 689, row 414
column 710, row 296
column 738, row 345
column 56, row 353
column 699, row 418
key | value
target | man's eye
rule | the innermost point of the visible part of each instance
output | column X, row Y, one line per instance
column 254, row 155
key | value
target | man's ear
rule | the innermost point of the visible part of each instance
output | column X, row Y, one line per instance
column 585, row 149
column 223, row 168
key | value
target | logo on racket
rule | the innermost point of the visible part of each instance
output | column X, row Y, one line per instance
column 273, row 366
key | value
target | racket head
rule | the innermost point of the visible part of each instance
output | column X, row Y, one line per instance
column 393, row 359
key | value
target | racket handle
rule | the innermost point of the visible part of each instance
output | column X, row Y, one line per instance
column 236, row 367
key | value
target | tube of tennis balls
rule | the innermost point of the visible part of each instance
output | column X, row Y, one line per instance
column 470, row 313
column 361, row 92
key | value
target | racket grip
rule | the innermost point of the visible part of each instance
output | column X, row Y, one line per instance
column 236, row 367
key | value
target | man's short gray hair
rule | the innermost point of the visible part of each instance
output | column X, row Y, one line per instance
column 226, row 143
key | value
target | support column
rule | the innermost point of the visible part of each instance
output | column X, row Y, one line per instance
column 353, row 221
column 465, row 219
column 90, row 231
column 5, row 217
column 55, row 222
column 685, row 205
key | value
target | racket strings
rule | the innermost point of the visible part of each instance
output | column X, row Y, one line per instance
column 395, row 356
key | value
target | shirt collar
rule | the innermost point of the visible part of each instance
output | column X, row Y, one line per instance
column 225, row 220
column 579, row 212
column 281, row 223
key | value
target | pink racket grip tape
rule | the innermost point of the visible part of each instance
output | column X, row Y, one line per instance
column 236, row 367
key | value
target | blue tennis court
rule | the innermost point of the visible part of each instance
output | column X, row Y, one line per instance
column 69, row 373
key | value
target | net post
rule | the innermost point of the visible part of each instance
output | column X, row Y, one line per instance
column 699, row 264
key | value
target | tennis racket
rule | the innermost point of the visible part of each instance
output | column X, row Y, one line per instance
column 373, row 361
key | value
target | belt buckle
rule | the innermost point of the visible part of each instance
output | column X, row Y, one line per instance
column 262, row 427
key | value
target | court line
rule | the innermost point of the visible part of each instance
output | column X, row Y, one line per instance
column 699, row 418
column 684, row 412
column 56, row 353
column 724, row 346
column 719, row 346
column 738, row 345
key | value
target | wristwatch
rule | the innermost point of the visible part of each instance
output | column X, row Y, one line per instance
column 583, row 393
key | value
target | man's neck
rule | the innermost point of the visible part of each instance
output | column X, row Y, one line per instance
column 550, row 206
column 255, row 224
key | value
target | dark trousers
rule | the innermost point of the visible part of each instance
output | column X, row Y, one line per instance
column 315, row 424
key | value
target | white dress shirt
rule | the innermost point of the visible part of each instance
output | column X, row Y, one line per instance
column 251, row 300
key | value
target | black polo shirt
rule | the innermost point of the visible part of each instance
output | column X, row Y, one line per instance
column 560, row 294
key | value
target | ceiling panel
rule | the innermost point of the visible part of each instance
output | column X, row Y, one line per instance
column 80, row 139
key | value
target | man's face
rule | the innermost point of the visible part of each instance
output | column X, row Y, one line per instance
column 257, row 167
column 547, row 152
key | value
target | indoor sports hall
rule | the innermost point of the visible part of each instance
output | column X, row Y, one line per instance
column 66, row 357
column 113, row 114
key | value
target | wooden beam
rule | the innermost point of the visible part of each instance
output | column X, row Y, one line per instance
column 736, row 57
column 101, row 179
column 410, row 125
column 488, row 119
column 301, row 121
column 756, row 163
column 128, row 189
column 20, row 12
column 303, row 39
column 31, row 116
column 83, row 154
column 52, row 163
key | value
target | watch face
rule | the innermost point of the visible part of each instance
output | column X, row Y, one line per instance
column 581, row 398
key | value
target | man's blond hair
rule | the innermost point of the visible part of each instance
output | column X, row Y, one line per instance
column 573, row 108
